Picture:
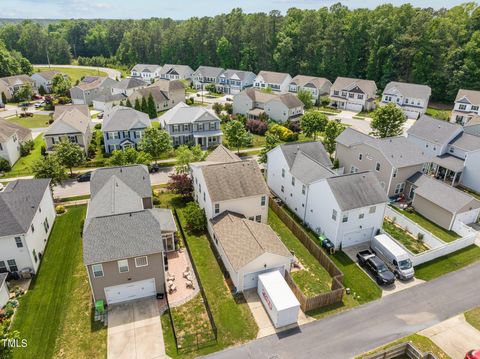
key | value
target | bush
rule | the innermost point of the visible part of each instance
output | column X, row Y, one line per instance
column 420, row 236
column 4, row 165
column 156, row 201
column 294, row 126
column 98, row 126
column 60, row 209
column 228, row 107
column 283, row 133
column 257, row 127
column 43, row 150
column 26, row 147
column 195, row 217
column 92, row 150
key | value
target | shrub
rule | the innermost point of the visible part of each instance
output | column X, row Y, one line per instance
column 26, row 147
column 60, row 209
column 217, row 107
column 43, row 150
column 257, row 127
column 336, row 164
column 228, row 107
column 156, row 201
column 195, row 217
column 420, row 236
column 4, row 165
column 283, row 133
column 294, row 126
column 98, row 126
column 92, row 150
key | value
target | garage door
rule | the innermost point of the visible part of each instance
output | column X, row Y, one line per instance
column 354, row 107
column 250, row 280
column 130, row 291
column 357, row 237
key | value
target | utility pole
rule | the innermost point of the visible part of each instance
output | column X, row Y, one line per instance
column 48, row 58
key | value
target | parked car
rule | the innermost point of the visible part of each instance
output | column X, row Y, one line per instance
column 39, row 104
column 153, row 168
column 395, row 257
column 473, row 354
column 2, row 105
column 376, row 267
column 85, row 177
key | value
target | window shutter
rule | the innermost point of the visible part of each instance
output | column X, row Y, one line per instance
column 107, row 135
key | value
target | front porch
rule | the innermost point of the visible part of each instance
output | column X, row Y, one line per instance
column 208, row 139
column 447, row 168
column 255, row 113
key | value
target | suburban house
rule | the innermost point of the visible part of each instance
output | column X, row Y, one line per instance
column 4, row 292
column 353, row 94
column 128, row 86
column 279, row 107
column 44, row 79
column 205, row 75
column 123, row 127
column 11, row 84
column 473, row 126
column 411, row 98
column 90, row 88
column 466, row 108
column 70, row 123
column 441, row 203
column 146, row 72
column 393, row 160
column 317, row 86
column 176, row 72
column 234, row 196
column 456, row 154
column 105, row 102
column 234, row 81
column 347, row 209
column 192, row 125
column 27, row 218
column 166, row 94
column 124, row 237
column 11, row 138
column 277, row 81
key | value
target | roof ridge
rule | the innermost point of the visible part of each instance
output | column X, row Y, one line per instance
column 244, row 220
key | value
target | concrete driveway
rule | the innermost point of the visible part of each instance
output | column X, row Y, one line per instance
column 135, row 331
column 454, row 336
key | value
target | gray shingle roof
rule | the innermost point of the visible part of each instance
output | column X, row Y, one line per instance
column 165, row 218
column 183, row 113
column 442, row 194
column 351, row 137
column 433, row 130
column 472, row 96
column 19, row 202
column 234, row 180
column 60, row 109
column 290, row 100
column 317, row 82
column 167, row 86
column 357, row 190
column 313, row 149
column 16, row 80
column 121, row 118
column 135, row 177
column 221, row 154
column 146, row 68
column 118, row 97
column 130, row 83
column 159, row 96
column 8, row 129
column 241, row 75
column 47, row 75
column 72, row 121
column 467, row 142
column 307, row 170
column 122, row 236
column 450, row 162
column 273, row 77
column 244, row 240
column 345, row 83
column 182, row 70
column 409, row 90
column 208, row 71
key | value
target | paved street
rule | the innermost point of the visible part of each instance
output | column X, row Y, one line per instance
column 369, row 326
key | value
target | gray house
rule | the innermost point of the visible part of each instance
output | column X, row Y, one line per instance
column 235, row 81
column 176, row 72
column 206, row 75
column 123, row 127
column 411, row 98
column 44, row 79
column 90, row 88
column 124, row 238
column 317, row 86
column 192, row 125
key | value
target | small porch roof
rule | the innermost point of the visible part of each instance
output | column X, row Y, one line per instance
column 449, row 162
column 208, row 134
column 256, row 112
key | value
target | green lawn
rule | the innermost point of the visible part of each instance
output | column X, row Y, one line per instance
column 75, row 198
column 23, row 166
column 55, row 316
column 443, row 234
column 419, row 341
column 314, row 279
column 35, row 121
column 439, row 114
column 74, row 73
column 473, row 317
column 413, row 245
column 449, row 263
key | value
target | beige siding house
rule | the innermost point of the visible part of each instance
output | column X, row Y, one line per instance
column 166, row 94
column 353, row 94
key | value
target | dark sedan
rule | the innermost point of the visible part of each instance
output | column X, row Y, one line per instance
column 85, row 177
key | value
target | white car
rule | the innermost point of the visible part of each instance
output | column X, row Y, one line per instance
column 39, row 104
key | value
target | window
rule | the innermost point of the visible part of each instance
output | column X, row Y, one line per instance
column 293, row 181
column 334, row 215
column 360, row 96
column 3, row 267
column 474, row 108
column 113, row 135
column 361, row 215
column 97, row 270
column 141, row 261
column 377, row 167
column 351, row 95
column 217, row 208
column 345, row 218
column 360, row 156
column 399, row 188
column 123, row 266
column 353, row 169
column 462, row 107
column 35, row 257
column 46, row 225
column 12, row 265
column 335, row 92
column 32, row 227
column 1, row 148
column 282, row 189
column 18, row 242
column 204, row 198
column 372, row 209
column 200, row 187
column 283, row 172
column 251, row 218
column 263, row 201
column 395, row 171
column 258, row 218
column 303, row 189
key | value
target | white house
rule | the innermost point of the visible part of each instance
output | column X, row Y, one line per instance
column 466, row 108
column 411, row 98
column 11, row 138
column 277, row 81
column 44, row 79
column 206, row 75
column 146, row 72
column 27, row 218
column 353, row 94
column 317, row 86
column 176, row 72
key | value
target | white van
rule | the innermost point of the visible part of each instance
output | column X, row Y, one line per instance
column 394, row 256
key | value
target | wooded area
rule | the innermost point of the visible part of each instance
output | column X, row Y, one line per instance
column 438, row 48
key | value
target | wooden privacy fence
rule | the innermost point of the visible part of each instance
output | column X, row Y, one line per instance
column 337, row 288
column 404, row 350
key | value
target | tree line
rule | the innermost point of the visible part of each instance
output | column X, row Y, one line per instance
column 439, row 48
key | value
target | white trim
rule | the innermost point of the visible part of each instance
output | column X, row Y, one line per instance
column 143, row 265
column 119, row 264
column 93, row 271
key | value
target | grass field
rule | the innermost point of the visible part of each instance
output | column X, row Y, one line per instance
column 439, row 114
column 473, row 317
column 74, row 73
column 23, row 166
column 413, row 245
column 35, row 121
column 55, row 316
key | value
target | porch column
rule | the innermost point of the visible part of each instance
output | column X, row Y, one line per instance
column 454, row 179
column 446, row 173
column 437, row 167
column 195, row 139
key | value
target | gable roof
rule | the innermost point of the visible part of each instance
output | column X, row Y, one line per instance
column 121, row 118
column 241, row 75
column 233, row 180
column 472, row 96
column 208, row 71
column 182, row 113
column 289, row 100
column 467, row 142
column 221, row 154
column 357, row 190
column 346, row 83
column 433, row 130
column 159, row 96
column 257, row 95
column 307, row 170
column 93, row 82
column 146, row 68
column 442, row 194
column 60, row 109
column 8, row 129
column 351, row 136
column 273, row 77
column 16, row 80
column 47, row 75
column 69, row 121
column 312, row 81
column 135, row 177
column 312, row 149
column 244, row 240
column 19, row 203
column 168, row 85
column 181, row 70
column 409, row 90
column 130, row 83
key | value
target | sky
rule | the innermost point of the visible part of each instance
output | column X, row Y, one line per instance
column 175, row 9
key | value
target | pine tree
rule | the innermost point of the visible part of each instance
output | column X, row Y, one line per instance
column 152, row 108
column 138, row 106
column 144, row 106
column 128, row 103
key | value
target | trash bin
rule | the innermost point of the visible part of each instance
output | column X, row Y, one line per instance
column 99, row 306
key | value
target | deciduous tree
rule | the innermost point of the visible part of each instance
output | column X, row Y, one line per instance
column 388, row 121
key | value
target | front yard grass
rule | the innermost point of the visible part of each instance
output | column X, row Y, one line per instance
column 35, row 121
column 23, row 166
column 448, row 263
column 412, row 244
column 312, row 280
column 443, row 234
column 55, row 316
column 473, row 317
column 75, row 74
column 439, row 114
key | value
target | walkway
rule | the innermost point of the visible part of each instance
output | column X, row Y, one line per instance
column 372, row 325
